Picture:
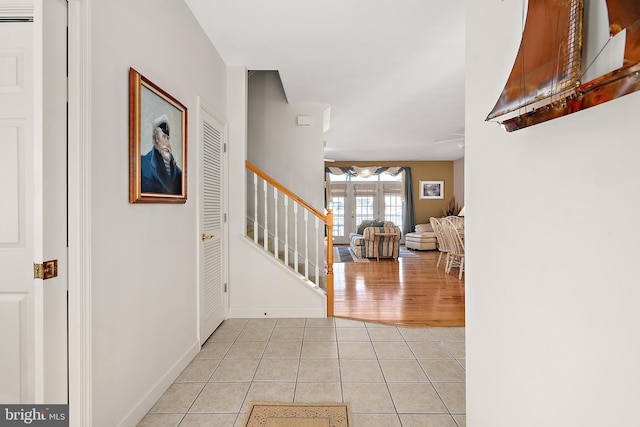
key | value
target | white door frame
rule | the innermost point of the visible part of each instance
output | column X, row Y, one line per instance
column 79, row 205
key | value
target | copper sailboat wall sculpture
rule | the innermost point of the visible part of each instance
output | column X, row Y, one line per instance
column 546, row 79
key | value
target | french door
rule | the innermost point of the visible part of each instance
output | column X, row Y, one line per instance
column 354, row 200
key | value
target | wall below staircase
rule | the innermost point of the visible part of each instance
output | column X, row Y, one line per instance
column 257, row 284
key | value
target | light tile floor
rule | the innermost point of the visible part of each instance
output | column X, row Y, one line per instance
column 391, row 376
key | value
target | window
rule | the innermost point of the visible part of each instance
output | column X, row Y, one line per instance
column 337, row 207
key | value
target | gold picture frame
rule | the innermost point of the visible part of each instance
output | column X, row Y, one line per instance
column 157, row 144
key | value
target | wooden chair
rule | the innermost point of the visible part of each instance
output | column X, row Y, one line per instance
column 442, row 243
column 455, row 245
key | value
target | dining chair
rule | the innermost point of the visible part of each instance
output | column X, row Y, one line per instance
column 456, row 247
column 442, row 243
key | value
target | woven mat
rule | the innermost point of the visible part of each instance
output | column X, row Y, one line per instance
column 274, row 414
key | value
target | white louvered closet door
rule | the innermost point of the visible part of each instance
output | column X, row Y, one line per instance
column 212, row 265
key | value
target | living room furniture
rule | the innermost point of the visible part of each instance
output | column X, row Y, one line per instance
column 424, row 238
column 455, row 246
column 436, row 225
column 393, row 237
column 363, row 243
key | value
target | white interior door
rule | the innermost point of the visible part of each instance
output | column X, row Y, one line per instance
column 212, row 249
column 33, row 316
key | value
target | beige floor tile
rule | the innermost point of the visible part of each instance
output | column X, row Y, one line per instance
column 392, row 350
column 283, row 349
column 376, row 420
column 177, row 399
column 287, row 334
column 356, row 350
column 291, row 323
column 208, row 420
column 227, row 335
column 416, row 398
column 232, row 324
column 319, row 370
column 160, row 420
column 320, row 322
column 402, row 371
column 457, row 348
column 418, row 334
column 354, row 370
column 320, row 334
column 443, row 370
column 429, row 350
column 391, row 376
column 220, row 398
column 385, row 334
column 460, row 419
column 214, row 350
column 378, row 325
column 246, row 350
column 269, row 392
column 199, row 370
column 450, row 334
column 453, row 395
column 368, row 398
column 319, row 349
column 352, row 335
column 430, row 420
column 262, row 323
column 277, row 370
column 349, row 323
column 318, row 392
column 255, row 334
column 235, row 370
column 240, row 419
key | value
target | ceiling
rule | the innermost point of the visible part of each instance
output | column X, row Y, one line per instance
column 391, row 71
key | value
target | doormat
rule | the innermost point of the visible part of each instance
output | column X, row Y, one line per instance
column 286, row 414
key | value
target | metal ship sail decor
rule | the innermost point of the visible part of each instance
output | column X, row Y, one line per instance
column 546, row 80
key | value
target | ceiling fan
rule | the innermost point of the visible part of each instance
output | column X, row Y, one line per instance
column 459, row 138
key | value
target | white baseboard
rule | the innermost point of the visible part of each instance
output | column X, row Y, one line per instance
column 284, row 313
column 148, row 400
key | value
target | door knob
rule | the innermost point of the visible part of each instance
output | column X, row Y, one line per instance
column 207, row 237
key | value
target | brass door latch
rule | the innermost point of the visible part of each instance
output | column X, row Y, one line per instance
column 46, row 270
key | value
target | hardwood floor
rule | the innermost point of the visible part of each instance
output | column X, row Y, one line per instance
column 410, row 292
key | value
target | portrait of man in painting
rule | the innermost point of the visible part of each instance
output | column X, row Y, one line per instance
column 157, row 144
column 160, row 172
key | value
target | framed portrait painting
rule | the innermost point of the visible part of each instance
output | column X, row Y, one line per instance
column 432, row 189
column 157, row 144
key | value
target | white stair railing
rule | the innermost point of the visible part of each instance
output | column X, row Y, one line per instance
column 269, row 210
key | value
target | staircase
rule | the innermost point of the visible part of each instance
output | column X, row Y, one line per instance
column 291, row 231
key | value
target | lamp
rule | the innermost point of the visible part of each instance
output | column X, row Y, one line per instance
column 461, row 213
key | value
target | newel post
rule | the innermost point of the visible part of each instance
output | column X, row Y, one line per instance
column 329, row 263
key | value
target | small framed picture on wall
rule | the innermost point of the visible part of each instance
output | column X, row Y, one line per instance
column 431, row 189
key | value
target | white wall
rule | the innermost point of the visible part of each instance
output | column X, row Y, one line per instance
column 291, row 154
column 551, row 294
column 143, row 256
column 287, row 154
